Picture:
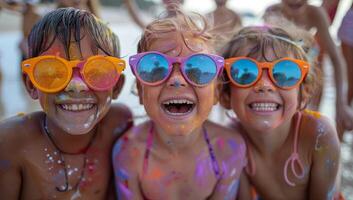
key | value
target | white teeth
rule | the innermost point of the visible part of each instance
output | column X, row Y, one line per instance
column 76, row 107
column 264, row 107
column 178, row 101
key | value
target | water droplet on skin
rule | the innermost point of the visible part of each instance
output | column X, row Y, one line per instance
column 45, row 149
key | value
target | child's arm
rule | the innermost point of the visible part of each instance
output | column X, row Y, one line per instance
column 344, row 113
column 10, row 171
column 126, row 171
column 325, row 161
column 132, row 8
column 231, row 163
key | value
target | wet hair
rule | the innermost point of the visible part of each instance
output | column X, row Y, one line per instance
column 184, row 24
column 69, row 25
column 255, row 41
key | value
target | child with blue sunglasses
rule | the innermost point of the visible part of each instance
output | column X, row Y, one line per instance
column 292, row 153
column 178, row 154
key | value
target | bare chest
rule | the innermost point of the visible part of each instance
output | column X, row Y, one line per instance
column 175, row 178
column 50, row 174
column 283, row 177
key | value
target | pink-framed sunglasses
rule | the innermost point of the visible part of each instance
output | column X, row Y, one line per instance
column 153, row 68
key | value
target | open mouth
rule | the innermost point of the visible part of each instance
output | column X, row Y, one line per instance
column 178, row 107
column 76, row 107
column 264, row 106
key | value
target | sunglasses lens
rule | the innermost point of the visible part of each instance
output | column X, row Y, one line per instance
column 50, row 73
column 244, row 72
column 100, row 74
column 286, row 73
column 152, row 68
column 200, row 69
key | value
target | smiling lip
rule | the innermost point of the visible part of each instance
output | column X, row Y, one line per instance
column 264, row 107
column 178, row 107
column 76, row 105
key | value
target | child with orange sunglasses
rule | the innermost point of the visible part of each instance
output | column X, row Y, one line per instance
column 63, row 152
column 292, row 153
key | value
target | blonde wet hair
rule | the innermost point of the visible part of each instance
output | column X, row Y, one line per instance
column 255, row 41
column 188, row 26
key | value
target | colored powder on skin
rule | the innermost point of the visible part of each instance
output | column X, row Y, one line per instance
column 89, row 122
column 124, row 192
column 135, row 153
column 155, row 174
column 76, row 195
column 122, row 175
column 177, row 83
column 232, row 190
column 320, row 132
column 233, row 144
column 220, row 143
column 117, row 148
column 329, row 164
column 315, row 114
column 233, row 172
column 203, row 164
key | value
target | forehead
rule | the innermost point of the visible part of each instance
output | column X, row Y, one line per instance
column 176, row 44
column 75, row 50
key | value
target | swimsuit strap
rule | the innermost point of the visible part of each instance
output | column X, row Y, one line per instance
column 212, row 154
column 294, row 157
column 148, row 148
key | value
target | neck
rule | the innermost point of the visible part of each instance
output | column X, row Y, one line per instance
column 175, row 144
column 269, row 142
column 67, row 143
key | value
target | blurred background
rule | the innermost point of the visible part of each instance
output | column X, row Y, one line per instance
column 15, row 100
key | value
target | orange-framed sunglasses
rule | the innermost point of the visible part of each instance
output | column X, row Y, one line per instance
column 285, row 73
column 52, row 73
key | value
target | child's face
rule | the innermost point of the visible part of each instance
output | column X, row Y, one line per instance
column 77, row 108
column 181, row 119
column 263, row 106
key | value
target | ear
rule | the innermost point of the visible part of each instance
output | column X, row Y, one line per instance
column 31, row 89
column 139, row 91
column 224, row 96
column 118, row 86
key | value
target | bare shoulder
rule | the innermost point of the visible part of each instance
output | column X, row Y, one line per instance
column 118, row 120
column 219, row 131
column 227, row 142
column 129, row 150
column 322, row 132
column 17, row 131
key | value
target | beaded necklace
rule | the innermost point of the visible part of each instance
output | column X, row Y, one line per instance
column 67, row 187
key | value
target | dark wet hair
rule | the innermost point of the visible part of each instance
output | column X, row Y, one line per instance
column 71, row 25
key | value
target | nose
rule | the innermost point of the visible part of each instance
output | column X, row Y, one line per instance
column 76, row 83
column 264, row 84
column 176, row 79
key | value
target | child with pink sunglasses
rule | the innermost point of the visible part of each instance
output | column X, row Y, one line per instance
column 178, row 154
column 292, row 153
